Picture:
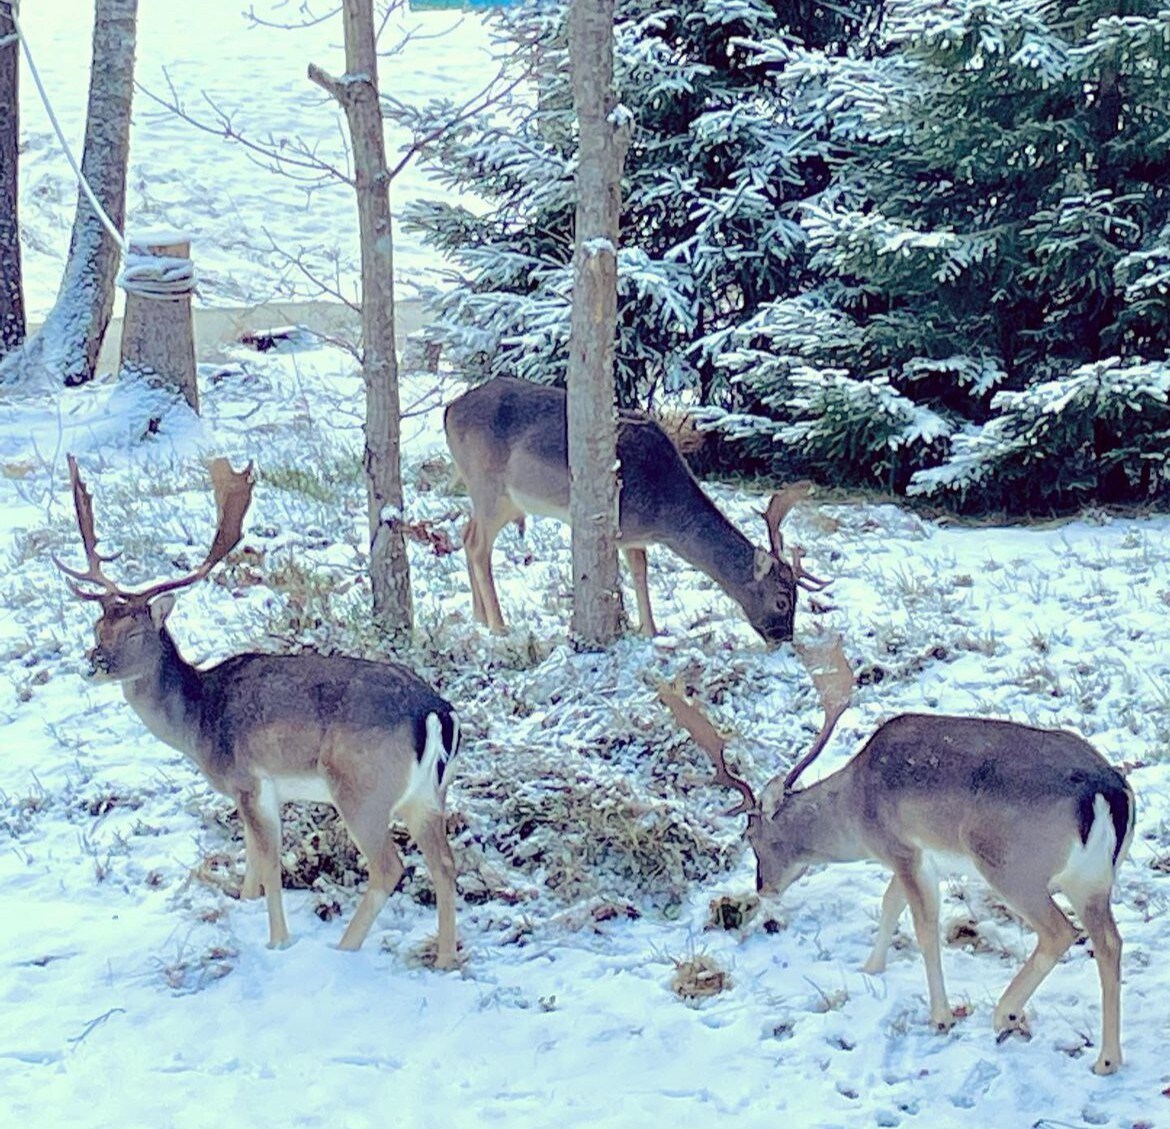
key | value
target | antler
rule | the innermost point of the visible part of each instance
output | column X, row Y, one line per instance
column 83, row 505
column 806, row 580
column 711, row 741
column 833, row 678
column 233, row 496
column 778, row 507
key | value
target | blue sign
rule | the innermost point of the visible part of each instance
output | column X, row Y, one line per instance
column 431, row 5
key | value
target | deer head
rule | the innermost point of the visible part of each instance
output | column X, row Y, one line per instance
column 779, row 856
column 131, row 628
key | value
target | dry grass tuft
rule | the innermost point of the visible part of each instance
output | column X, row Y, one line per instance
column 698, row 977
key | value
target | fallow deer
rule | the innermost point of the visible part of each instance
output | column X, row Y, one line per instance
column 370, row 738
column 1034, row 810
column 509, row 440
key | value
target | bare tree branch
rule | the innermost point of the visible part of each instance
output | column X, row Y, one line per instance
column 282, row 155
column 491, row 95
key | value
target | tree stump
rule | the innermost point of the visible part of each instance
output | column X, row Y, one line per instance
column 157, row 337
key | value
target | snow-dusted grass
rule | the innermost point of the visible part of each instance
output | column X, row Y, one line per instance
column 137, row 991
column 588, row 841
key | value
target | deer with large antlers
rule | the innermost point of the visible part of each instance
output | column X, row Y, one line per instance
column 1034, row 810
column 370, row 738
column 509, row 439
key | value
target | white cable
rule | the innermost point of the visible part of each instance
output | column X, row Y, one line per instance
column 107, row 223
column 164, row 278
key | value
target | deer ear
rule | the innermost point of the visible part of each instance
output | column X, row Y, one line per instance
column 161, row 608
column 763, row 563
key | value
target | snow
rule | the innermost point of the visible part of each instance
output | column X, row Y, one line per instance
column 219, row 192
column 137, row 992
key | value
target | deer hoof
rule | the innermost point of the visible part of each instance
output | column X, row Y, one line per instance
column 1013, row 1023
column 1107, row 1064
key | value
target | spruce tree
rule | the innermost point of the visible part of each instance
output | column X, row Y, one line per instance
column 993, row 325
column 714, row 181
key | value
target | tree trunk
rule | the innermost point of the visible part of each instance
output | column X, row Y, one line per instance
column 357, row 93
column 11, row 280
column 593, row 496
column 69, row 342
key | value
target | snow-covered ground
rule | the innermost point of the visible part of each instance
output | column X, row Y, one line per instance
column 137, row 991
column 221, row 193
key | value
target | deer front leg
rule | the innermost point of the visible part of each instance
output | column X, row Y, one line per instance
column 922, row 896
column 893, row 903
column 636, row 563
column 260, row 812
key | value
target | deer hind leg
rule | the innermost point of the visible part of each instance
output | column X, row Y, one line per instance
column 921, row 894
column 636, row 563
column 893, row 903
column 490, row 516
column 363, row 801
column 470, row 536
column 1095, row 912
column 1054, row 934
column 260, row 812
column 250, row 888
column 427, row 827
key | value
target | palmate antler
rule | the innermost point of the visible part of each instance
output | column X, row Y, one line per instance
column 711, row 741
column 833, row 678
column 779, row 505
column 233, row 495
column 83, row 506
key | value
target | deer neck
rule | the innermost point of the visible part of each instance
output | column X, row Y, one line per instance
column 168, row 698
column 821, row 820
column 704, row 538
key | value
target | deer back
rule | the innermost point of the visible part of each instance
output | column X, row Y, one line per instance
column 509, row 437
column 284, row 715
column 517, row 433
column 998, row 792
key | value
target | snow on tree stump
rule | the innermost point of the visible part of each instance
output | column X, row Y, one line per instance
column 158, row 341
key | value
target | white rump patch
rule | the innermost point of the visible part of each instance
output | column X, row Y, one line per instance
column 422, row 788
column 1090, row 864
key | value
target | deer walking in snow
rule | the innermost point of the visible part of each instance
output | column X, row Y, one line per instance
column 509, row 440
column 1035, row 810
column 370, row 738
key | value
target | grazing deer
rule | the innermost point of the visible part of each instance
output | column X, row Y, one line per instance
column 1033, row 809
column 370, row 738
column 509, row 439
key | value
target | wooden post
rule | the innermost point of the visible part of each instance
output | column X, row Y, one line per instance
column 157, row 338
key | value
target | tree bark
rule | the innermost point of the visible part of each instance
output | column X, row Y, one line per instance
column 69, row 342
column 12, row 325
column 593, row 497
column 357, row 93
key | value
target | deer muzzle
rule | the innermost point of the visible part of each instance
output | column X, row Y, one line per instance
column 99, row 665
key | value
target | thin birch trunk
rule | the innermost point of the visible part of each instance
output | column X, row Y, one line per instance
column 68, row 344
column 12, row 325
column 357, row 93
column 593, row 500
